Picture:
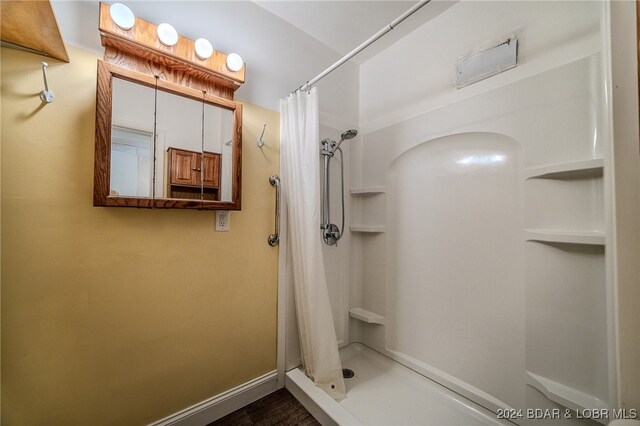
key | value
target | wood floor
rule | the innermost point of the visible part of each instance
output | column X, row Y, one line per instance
column 278, row 408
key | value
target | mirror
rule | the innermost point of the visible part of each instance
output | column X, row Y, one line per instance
column 164, row 145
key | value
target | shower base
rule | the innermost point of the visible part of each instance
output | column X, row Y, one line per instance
column 384, row 392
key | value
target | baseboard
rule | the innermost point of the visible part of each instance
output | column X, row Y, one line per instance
column 227, row 402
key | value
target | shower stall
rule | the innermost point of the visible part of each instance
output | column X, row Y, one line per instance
column 476, row 276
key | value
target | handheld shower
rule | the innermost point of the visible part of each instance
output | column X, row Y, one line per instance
column 349, row 134
column 331, row 234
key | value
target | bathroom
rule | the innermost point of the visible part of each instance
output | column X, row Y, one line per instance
column 476, row 261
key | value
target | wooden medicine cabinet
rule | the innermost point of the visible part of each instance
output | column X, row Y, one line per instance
column 168, row 132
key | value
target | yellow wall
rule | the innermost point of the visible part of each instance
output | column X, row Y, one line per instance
column 111, row 315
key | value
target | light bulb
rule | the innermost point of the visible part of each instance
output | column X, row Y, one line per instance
column 204, row 49
column 234, row 62
column 167, row 34
column 122, row 16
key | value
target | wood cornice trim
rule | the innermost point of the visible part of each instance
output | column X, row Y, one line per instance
column 175, row 88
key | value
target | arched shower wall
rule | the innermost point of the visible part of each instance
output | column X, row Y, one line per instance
column 455, row 260
column 505, row 298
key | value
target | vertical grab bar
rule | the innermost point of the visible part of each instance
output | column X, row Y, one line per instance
column 274, row 239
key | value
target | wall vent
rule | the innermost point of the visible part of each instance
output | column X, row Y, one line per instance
column 486, row 62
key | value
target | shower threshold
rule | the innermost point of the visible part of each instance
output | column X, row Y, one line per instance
column 384, row 392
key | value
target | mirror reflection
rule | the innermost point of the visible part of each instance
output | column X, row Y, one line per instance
column 192, row 145
column 131, row 168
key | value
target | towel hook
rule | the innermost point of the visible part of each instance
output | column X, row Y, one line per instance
column 46, row 95
column 260, row 142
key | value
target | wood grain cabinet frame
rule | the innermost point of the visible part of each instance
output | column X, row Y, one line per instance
column 102, row 165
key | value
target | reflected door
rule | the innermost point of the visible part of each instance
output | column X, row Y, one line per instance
column 131, row 171
column 184, row 168
column 211, row 171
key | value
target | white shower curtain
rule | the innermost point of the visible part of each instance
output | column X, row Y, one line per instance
column 300, row 169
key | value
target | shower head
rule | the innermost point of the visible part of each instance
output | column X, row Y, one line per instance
column 349, row 134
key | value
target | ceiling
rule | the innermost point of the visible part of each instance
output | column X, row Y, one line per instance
column 341, row 25
column 284, row 43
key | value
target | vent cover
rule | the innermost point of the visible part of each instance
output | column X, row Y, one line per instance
column 487, row 62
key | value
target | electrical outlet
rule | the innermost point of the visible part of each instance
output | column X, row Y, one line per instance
column 222, row 220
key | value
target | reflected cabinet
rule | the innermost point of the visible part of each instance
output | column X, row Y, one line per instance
column 193, row 174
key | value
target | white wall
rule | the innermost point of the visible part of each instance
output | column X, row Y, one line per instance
column 624, row 98
column 552, row 106
column 417, row 73
column 338, row 97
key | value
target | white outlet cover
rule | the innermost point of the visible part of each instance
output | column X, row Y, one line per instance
column 222, row 220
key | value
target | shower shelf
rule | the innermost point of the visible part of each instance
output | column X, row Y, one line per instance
column 568, row 237
column 571, row 170
column 375, row 229
column 368, row 191
column 565, row 395
column 366, row 316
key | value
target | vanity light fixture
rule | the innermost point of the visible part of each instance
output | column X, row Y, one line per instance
column 234, row 62
column 122, row 16
column 204, row 49
column 167, row 34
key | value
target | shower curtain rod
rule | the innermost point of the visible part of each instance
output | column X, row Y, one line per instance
column 363, row 45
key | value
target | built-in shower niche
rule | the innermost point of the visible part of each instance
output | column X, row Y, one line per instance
column 368, row 227
column 565, row 285
column 564, row 202
column 368, row 209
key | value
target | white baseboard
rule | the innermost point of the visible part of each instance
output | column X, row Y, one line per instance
column 227, row 402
